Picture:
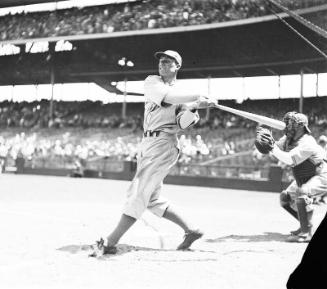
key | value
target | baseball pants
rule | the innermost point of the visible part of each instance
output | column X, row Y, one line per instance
column 157, row 156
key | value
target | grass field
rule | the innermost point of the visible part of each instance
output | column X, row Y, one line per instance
column 45, row 221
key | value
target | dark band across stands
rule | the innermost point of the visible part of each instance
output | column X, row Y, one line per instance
column 292, row 14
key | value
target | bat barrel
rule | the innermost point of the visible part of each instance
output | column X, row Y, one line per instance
column 274, row 123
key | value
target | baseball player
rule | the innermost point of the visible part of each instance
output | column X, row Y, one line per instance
column 167, row 110
column 298, row 149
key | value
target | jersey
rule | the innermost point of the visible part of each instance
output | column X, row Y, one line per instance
column 304, row 148
column 308, row 157
column 159, row 116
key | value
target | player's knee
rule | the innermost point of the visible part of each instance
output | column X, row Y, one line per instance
column 284, row 199
column 306, row 201
column 303, row 191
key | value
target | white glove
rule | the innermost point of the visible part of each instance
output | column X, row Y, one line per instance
column 206, row 101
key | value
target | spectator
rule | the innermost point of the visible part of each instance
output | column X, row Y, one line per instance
column 134, row 16
column 78, row 170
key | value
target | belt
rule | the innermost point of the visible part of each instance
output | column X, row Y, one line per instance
column 149, row 133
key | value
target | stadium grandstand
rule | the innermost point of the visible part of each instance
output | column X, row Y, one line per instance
column 77, row 44
column 135, row 15
column 72, row 136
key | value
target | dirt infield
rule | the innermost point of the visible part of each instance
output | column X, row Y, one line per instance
column 48, row 223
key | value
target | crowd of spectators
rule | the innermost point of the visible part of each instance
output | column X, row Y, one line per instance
column 138, row 15
column 76, row 148
column 89, row 114
column 87, row 131
column 85, row 114
column 65, row 150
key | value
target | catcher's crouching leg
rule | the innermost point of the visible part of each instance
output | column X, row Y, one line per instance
column 305, row 215
column 305, row 218
column 285, row 201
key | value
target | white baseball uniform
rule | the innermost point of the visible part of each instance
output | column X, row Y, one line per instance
column 158, row 151
column 307, row 149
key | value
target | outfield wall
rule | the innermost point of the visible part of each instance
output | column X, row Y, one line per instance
column 273, row 182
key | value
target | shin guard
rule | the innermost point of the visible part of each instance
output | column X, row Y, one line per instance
column 291, row 211
column 303, row 215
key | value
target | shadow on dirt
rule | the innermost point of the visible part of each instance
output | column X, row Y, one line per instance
column 265, row 237
column 121, row 249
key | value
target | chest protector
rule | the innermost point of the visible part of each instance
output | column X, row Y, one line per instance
column 304, row 171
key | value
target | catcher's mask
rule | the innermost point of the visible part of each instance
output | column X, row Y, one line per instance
column 294, row 122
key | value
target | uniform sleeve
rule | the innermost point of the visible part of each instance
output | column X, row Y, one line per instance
column 303, row 151
column 155, row 90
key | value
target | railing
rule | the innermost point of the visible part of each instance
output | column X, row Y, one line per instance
column 193, row 170
column 219, row 171
column 101, row 165
column 51, row 163
column 105, row 165
column 233, row 177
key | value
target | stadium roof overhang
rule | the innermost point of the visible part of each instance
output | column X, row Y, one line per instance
column 253, row 47
column 12, row 3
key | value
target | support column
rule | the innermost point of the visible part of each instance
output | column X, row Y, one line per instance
column 301, row 92
column 124, row 105
column 52, row 64
column 317, row 84
column 52, row 80
column 12, row 93
column 209, row 94
column 243, row 89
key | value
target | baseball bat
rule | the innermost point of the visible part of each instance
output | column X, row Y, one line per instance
column 274, row 123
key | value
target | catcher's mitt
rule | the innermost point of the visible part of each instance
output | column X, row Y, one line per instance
column 264, row 141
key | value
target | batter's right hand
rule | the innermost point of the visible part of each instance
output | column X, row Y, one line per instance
column 206, row 101
column 212, row 102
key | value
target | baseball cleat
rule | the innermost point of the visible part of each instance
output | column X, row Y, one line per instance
column 300, row 238
column 100, row 249
column 110, row 250
column 189, row 238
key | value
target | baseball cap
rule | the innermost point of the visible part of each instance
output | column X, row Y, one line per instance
column 170, row 53
column 300, row 118
column 322, row 138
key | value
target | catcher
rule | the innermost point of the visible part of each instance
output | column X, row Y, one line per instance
column 298, row 149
